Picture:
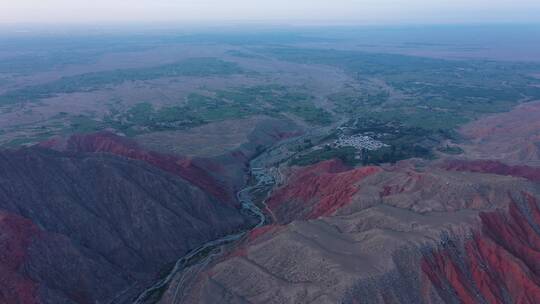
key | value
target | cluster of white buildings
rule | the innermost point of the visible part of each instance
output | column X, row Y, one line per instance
column 359, row 142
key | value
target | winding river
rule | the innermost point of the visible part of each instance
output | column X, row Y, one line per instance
column 262, row 180
column 261, row 169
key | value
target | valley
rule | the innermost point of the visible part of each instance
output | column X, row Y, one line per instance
column 271, row 167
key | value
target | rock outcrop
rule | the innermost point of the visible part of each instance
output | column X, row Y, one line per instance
column 410, row 233
column 499, row 263
column 317, row 190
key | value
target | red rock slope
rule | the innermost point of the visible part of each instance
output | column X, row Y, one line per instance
column 187, row 168
column 16, row 234
column 413, row 233
column 494, row 167
column 500, row 263
column 317, row 190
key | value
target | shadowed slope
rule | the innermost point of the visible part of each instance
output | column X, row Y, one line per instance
column 184, row 167
column 110, row 222
column 16, row 234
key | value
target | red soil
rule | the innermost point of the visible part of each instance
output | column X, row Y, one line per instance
column 502, row 260
column 412, row 182
column 324, row 188
column 258, row 232
column 241, row 250
column 494, row 167
column 16, row 234
column 186, row 168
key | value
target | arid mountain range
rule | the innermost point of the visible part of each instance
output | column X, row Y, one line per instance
column 312, row 166
column 94, row 217
column 447, row 231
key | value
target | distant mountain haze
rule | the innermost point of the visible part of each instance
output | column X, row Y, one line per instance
column 317, row 11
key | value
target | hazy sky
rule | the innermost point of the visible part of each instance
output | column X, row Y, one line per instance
column 328, row 11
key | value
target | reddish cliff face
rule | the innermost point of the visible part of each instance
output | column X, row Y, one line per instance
column 187, row 168
column 499, row 264
column 317, row 190
column 411, row 233
column 16, row 234
column 494, row 167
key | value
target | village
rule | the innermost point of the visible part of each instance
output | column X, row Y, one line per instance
column 359, row 142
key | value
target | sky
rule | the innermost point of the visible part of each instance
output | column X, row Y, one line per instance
column 293, row 11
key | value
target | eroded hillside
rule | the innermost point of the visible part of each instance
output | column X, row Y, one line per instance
column 453, row 230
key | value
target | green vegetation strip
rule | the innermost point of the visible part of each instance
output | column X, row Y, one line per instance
column 194, row 67
column 272, row 100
